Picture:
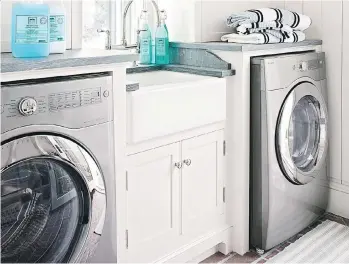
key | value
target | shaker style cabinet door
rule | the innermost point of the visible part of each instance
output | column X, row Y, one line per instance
column 202, row 184
column 152, row 203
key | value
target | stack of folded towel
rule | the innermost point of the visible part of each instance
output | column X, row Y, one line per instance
column 267, row 25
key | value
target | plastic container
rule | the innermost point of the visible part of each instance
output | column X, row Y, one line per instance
column 57, row 29
column 30, row 29
column 145, row 40
column 162, row 45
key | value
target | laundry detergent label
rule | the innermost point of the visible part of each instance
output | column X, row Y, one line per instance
column 145, row 45
column 32, row 29
column 161, row 47
column 57, row 28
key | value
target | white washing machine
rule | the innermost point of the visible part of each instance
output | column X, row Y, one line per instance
column 288, row 146
column 57, row 172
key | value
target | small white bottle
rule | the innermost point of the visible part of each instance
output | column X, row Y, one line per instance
column 57, row 29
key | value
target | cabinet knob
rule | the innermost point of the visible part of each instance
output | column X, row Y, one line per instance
column 187, row 162
column 178, row 165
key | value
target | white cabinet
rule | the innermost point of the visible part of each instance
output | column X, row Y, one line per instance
column 174, row 195
column 202, row 183
column 152, row 197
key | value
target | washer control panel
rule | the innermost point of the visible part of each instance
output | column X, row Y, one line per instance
column 24, row 106
column 27, row 106
column 73, row 99
column 73, row 102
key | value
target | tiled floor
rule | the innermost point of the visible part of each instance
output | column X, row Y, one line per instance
column 254, row 257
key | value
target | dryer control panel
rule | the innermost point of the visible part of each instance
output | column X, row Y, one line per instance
column 72, row 102
column 282, row 70
column 308, row 65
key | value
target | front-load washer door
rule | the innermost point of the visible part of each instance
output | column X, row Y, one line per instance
column 301, row 133
column 52, row 201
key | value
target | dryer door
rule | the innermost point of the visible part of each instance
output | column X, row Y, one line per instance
column 52, row 201
column 301, row 133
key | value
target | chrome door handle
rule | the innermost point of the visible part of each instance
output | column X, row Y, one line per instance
column 187, row 162
column 178, row 165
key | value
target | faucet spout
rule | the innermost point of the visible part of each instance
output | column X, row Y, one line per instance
column 127, row 7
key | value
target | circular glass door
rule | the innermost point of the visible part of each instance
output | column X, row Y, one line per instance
column 302, row 134
column 47, row 186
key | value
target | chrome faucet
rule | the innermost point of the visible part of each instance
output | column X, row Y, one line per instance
column 124, row 41
column 124, row 44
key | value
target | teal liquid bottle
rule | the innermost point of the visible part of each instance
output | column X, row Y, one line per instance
column 145, row 40
column 30, row 33
column 162, row 45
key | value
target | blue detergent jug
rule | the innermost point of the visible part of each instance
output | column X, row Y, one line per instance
column 30, row 30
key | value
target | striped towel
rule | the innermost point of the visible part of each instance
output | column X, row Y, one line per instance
column 293, row 19
column 263, row 38
column 267, row 25
column 248, row 28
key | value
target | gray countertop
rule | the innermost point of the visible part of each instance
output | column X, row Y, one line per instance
column 71, row 58
column 90, row 57
column 220, row 73
column 225, row 46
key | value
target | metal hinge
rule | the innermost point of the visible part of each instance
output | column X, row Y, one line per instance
column 224, row 147
column 223, row 194
column 126, row 238
column 126, row 181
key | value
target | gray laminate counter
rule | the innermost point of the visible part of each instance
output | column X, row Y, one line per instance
column 71, row 58
column 225, row 46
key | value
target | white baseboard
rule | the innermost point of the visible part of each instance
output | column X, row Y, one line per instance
column 338, row 202
column 201, row 249
column 204, row 255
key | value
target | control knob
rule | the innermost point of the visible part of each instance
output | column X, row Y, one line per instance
column 27, row 106
column 303, row 66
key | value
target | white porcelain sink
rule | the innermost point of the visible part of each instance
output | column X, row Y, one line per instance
column 171, row 102
column 161, row 78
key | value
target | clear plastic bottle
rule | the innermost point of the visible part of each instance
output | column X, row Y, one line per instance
column 57, row 29
column 162, row 46
column 30, row 29
column 145, row 40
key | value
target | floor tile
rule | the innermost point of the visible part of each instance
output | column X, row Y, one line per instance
column 247, row 258
column 295, row 238
column 218, row 257
column 282, row 246
column 306, row 230
column 346, row 221
column 335, row 218
column 271, row 254
column 315, row 224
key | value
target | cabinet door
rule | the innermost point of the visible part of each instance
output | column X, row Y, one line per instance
column 152, row 203
column 202, row 183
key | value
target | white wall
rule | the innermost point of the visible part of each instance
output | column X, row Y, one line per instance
column 6, row 17
column 183, row 19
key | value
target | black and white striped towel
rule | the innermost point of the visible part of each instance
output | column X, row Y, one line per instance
column 248, row 28
column 292, row 19
column 269, row 36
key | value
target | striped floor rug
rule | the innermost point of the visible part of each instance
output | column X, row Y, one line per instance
column 327, row 243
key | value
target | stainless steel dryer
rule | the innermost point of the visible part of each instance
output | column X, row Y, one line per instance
column 288, row 146
column 57, row 172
